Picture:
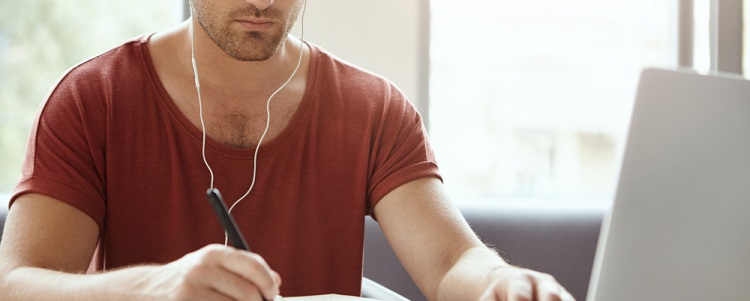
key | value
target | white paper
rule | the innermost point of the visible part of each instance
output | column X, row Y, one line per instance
column 328, row 297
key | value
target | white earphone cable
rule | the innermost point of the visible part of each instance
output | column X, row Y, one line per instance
column 268, row 108
column 200, row 105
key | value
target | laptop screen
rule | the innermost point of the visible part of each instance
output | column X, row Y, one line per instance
column 678, row 229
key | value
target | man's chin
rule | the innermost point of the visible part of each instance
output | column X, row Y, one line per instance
column 252, row 49
column 253, row 56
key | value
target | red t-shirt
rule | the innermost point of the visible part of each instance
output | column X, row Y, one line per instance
column 110, row 141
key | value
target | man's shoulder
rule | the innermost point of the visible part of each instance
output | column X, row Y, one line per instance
column 117, row 61
column 122, row 68
column 333, row 66
column 352, row 83
column 94, row 82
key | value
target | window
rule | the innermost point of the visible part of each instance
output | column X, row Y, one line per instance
column 531, row 99
column 702, row 34
column 746, row 38
column 40, row 39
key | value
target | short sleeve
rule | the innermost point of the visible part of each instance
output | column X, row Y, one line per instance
column 400, row 151
column 65, row 152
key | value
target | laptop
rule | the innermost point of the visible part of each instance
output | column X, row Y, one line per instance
column 679, row 228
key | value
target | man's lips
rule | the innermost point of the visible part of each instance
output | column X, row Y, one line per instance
column 254, row 24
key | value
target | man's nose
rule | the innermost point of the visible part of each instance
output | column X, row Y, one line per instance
column 260, row 4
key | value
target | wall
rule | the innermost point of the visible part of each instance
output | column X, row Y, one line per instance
column 387, row 37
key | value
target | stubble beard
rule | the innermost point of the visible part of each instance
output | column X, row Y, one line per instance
column 242, row 45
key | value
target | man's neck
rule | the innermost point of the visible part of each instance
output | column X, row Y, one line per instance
column 224, row 74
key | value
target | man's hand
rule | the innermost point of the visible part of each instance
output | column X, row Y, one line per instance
column 47, row 247
column 215, row 272
column 517, row 284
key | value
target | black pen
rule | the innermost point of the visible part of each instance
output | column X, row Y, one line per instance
column 226, row 220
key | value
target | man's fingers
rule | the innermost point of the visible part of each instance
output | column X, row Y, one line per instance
column 228, row 284
column 547, row 290
column 509, row 289
column 235, row 273
column 568, row 296
column 197, row 292
column 519, row 284
column 277, row 278
column 254, row 268
column 520, row 290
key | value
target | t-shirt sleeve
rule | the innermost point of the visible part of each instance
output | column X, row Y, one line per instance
column 400, row 151
column 64, row 157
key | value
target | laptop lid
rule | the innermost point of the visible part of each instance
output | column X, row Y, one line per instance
column 679, row 228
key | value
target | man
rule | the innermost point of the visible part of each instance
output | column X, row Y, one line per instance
column 127, row 143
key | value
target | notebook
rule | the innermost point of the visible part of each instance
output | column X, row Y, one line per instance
column 327, row 297
column 679, row 228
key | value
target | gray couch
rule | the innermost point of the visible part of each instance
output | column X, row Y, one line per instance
column 3, row 214
column 559, row 240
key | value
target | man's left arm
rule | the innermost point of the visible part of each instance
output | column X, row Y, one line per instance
column 444, row 256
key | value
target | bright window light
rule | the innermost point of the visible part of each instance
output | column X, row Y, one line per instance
column 531, row 99
column 40, row 39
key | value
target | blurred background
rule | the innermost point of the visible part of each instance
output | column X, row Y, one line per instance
column 524, row 100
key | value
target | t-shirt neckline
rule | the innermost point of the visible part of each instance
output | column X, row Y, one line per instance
column 267, row 146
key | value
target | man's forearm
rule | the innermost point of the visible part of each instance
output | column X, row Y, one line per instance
column 214, row 272
column 470, row 275
column 27, row 283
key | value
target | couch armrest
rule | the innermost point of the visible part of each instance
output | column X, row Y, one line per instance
column 3, row 215
column 558, row 238
column 372, row 289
